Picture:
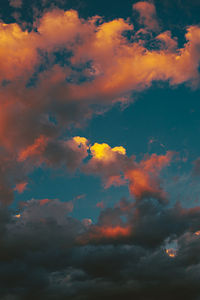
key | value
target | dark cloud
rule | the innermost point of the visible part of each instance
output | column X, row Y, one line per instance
column 41, row 256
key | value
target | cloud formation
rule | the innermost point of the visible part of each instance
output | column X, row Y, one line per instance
column 46, row 254
column 144, row 179
column 147, row 12
column 67, row 68
column 53, row 78
column 116, row 168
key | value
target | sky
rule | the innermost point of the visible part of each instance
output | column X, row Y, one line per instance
column 99, row 150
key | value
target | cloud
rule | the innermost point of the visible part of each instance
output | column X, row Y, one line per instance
column 15, row 3
column 106, row 161
column 33, row 150
column 66, row 69
column 116, row 168
column 99, row 65
column 144, row 180
column 56, row 77
column 69, row 153
column 42, row 257
column 100, row 205
column 147, row 13
column 20, row 187
column 147, row 224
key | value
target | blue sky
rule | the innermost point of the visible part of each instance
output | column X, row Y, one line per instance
column 157, row 120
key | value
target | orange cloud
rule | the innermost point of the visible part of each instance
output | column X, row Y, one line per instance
column 147, row 13
column 106, row 162
column 167, row 40
column 144, row 178
column 58, row 27
column 115, row 180
column 17, row 54
column 44, row 201
column 34, row 150
column 39, row 104
column 117, row 67
column 171, row 252
column 116, row 168
column 112, row 232
column 102, row 233
column 20, row 187
column 104, row 153
column 18, row 216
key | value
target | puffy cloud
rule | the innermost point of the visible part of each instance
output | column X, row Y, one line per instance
column 103, row 152
column 116, row 168
column 43, row 256
column 69, row 153
column 67, row 68
column 20, row 187
column 167, row 40
column 147, row 13
column 34, row 150
column 144, row 180
column 18, row 53
column 99, row 65
column 107, row 162
column 60, row 28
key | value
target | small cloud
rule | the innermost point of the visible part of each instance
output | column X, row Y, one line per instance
column 36, row 149
column 17, row 216
column 15, row 3
column 81, row 196
column 20, row 187
column 100, row 204
column 147, row 12
column 197, row 233
column 171, row 252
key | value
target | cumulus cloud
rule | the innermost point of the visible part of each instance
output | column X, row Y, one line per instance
column 92, row 51
column 147, row 13
column 112, row 165
column 144, row 178
column 116, row 168
column 67, row 68
column 46, row 254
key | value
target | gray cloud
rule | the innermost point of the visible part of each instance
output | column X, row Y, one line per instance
column 41, row 255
